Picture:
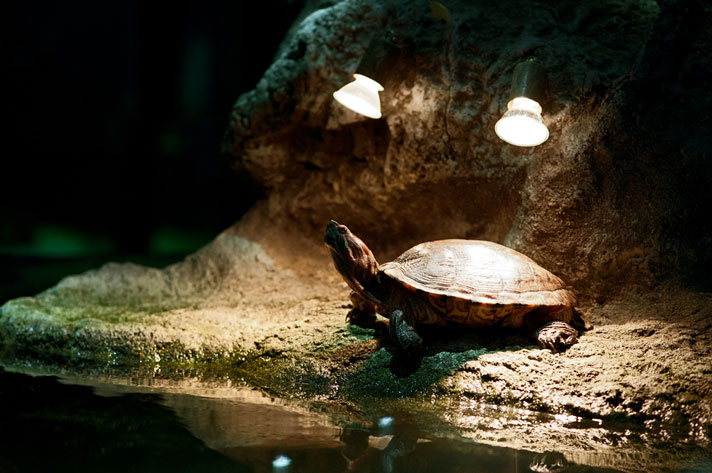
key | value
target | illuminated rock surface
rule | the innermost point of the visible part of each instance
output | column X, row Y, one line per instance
column 616, row 202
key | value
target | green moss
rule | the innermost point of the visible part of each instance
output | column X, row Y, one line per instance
column 361, row 334
column 375, row 378
column 73, row 307
column 286, row 376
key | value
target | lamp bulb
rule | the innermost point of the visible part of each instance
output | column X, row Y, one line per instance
column 521, row 124
column 361, row 96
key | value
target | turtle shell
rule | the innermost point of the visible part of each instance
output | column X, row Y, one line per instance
column 477, row 282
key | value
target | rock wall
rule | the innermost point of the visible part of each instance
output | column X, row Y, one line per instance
column 618, row 195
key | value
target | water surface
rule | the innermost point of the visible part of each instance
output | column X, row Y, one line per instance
column 75, row 424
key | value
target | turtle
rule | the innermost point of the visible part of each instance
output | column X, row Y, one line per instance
column 455, row 282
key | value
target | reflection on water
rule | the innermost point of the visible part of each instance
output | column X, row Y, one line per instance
column 51, row 424
column 48, row 426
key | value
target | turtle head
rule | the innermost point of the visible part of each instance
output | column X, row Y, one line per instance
column 351, row 257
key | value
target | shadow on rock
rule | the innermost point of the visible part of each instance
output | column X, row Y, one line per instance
column 442, row 341
column 405, row 364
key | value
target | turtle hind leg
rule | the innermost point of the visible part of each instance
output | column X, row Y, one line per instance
column 403, row 332
column 555, row 330
column 556, row 336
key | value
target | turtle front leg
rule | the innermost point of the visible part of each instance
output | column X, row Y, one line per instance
column 403, row 332
column 363, row 312
column 556, row 336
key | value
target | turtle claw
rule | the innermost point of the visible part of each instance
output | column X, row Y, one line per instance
column 556, row 335
column 363, row 313
column 362, row 318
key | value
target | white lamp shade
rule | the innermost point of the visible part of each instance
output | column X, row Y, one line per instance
column 361, row 96
column 521, row 124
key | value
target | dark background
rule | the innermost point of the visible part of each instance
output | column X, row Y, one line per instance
column 116, row 111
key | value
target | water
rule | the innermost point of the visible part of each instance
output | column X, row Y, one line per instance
column 127, row 425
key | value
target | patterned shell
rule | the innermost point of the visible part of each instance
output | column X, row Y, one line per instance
column 479, row 272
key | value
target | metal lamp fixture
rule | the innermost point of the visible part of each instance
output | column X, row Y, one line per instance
column 361, row 95
column 521, row 124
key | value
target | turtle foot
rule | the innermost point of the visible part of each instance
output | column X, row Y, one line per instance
column 556, row 336
column 404, row 333
column 363, row 313
column 360, row 317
